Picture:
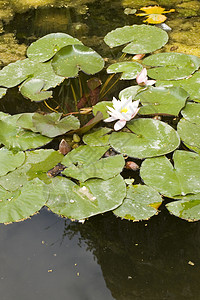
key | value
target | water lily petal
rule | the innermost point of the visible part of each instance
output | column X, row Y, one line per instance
column 119, row 125
column 110, row 119
column 141, row 78
column 150, row 82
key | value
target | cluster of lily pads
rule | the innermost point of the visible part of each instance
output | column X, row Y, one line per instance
column 164, row 136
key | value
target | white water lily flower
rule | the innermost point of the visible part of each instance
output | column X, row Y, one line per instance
column 142, row 78
column 123, row 110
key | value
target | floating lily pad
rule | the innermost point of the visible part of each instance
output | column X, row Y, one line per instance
column 36, row 164
column 182, row 179
column 191, row 113
column 102, row 107
column 84, row 154
column 34, row 89
column 160, row 100
column 21, row 204
column 188, row 208
column 97, row 137
column 47, row 46
column 69, row 60
column 25, row 121
column 16, row 72
column 189, row 134
column 85, row 162
column 148, row 138
column 170, row 66
column 129, row 69
column 191, row 85
column 14, row 137
column 141, row 203
column 45, row 72
column 105, row 168
column 9, row 161
column 142, row 38
column 52, row 125
column 96, row 196
column 130, row 91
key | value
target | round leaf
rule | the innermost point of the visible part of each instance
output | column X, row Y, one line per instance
column 148, row 138
column 188, row 208
column 69, row 60
column 171, row 65
column 33, row 89
column 129, row 69
column 105, row 168
column 14, row 137
column 16, row 72
column 19, row 205
column 50, row 125
column 96, row 196
column 160, row 100
column 47, row 46
column 130, row 91
column 141, row 203
column 191, row 113
column 182, row 179
column 36, row 164
column 97, row 137
column 189, row 134
column 142, row 38
column 102, row 107
column 9, row 161
column 191, row 85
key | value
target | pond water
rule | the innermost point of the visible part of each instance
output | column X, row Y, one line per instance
column 47, row 257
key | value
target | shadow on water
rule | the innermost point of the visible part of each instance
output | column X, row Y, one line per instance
column 104, row 258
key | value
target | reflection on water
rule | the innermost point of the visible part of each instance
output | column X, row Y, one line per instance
column 106, row 258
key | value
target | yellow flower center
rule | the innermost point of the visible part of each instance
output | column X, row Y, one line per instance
column 124, row 110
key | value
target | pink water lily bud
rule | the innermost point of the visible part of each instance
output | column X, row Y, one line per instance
column 142, row 78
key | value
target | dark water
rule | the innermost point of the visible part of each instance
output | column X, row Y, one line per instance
column 49, row 258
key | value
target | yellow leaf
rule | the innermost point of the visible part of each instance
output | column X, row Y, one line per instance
column 155, row 19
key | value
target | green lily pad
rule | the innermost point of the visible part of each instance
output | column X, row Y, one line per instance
column 21, row 204
column 191, row 113
column 160, row 100
column 102, row 107
column 188, row 208
column 189, row 134
column 141, row 38
column 14, row 137
column 14, row 73
column 2, row 92
column 69, row 60
column 182, row 179
column 170, row 66
column 141, row 203
column 190, row 85
column 52, row 125
column 45, row 72
column 130, row 91
column 148, row 138
column 97, row 137
column 36, row 164
column 25, row 121
column 84, row 154
column 95, row 197
column 47, row 46
column 105, row 168
column 9, row 161
column 129, row 69
column 34, row 89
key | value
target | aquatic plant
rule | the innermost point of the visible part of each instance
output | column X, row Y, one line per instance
column 95, row 176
